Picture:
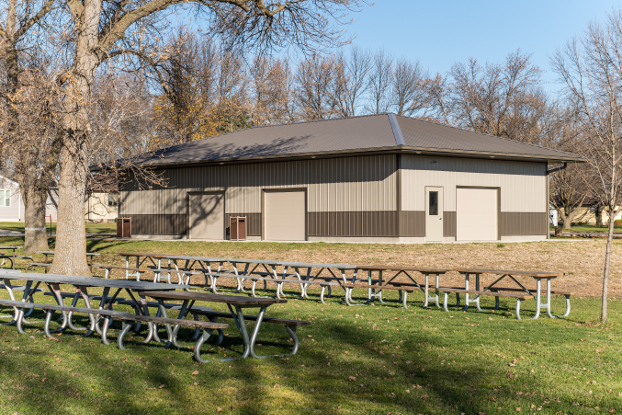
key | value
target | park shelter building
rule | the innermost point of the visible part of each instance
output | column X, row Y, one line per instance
column 377, row 178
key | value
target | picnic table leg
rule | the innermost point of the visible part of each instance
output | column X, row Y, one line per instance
column 9, row 288
column 548, row 298
column 538, row 296
column 238, row 317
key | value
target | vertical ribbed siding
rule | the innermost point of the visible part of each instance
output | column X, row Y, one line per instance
column 523, row 184
column 334, row 185
column 521, row 223
column 358, row 195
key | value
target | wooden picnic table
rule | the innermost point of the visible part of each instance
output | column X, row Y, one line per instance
column 89, row 257
column 511, row 275
column 376, row 286
column 10, row 257
column 236, row 304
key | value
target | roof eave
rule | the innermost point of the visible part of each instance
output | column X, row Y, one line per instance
column 492, row 156
column 368, row 151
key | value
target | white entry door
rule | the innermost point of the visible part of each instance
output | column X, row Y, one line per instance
column 207, row 216
column 476, row 214
column 434, row 214
column 285, row 215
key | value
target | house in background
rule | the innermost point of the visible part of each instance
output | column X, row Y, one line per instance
column 12, row 204
column 378, row 178
column 102, row 198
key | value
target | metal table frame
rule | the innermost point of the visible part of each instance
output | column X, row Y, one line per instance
column 507, row 274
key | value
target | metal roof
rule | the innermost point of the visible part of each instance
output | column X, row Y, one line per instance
column 366, row 134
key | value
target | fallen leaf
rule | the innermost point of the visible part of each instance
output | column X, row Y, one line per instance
column 518, row 409
column 196, row 372
column 161, row 386
column 351, row 378
column 219, row 409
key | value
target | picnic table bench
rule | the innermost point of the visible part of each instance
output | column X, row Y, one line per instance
column 279, row 282
column 11, row 257
column 236, row 305
column 46, row 263
column 375, row 286
column 518, row 291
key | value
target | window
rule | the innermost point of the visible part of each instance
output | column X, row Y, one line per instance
column 433, row 207
column 5, row 198
column 113, row 199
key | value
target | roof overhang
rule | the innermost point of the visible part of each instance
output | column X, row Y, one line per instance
column 361, row 152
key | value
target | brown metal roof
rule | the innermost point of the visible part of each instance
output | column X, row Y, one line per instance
column 356, row 135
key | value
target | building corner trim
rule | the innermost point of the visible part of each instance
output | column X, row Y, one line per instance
column 397, row 132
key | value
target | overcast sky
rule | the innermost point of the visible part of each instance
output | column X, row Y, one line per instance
column 441, row 32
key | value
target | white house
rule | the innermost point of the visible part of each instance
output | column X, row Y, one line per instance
column 12, row 204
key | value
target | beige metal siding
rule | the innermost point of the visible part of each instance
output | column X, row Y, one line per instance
column 477, row 210
column 207, row 216
column 523, row 185
column 285, row 216
column 366, row 183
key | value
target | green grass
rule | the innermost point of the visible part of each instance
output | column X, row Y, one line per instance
column 589, row 228
column 371, row 359
column 90, row 227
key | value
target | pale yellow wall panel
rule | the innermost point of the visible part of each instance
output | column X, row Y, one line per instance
column 523, row 185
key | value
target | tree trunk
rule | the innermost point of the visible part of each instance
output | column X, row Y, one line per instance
column 599, row 216
column 603, row 313
column 36, row 238
column 70, row 251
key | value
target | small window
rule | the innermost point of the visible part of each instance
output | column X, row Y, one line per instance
column 5, row 198
column 433, row 207
column 113, row 199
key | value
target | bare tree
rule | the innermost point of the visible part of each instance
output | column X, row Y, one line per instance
column 314, row 84
column 408, row 88
column 379, row 82
column 495, row 99
column 351, row 81
column 103, row 31
column 28, row 140
column 591, row 69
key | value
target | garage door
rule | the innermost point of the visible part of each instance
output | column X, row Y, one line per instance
column 476, row 215
column 207, row 216
column 285, row 217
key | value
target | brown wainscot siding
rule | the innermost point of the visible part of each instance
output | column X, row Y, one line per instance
column 412, row 223
column 450, row 224
column 253, row 222
column 523, row 223
column 158, row 224
column 381, row 223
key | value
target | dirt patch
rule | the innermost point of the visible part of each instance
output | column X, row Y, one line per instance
column 581, row 260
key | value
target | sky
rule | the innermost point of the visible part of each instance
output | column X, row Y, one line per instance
column 441, row 32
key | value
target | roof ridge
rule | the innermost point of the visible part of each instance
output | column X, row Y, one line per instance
column 486, row 134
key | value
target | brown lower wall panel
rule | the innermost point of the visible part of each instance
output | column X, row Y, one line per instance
column 158, row 224
column 412, row 223
column 523, row 223
column 382, row 223
column 253, row 222
column 449, row 224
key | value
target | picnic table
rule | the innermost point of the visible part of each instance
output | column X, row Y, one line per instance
column 89, row 257
column 517, row 290
column 173, row 265
column 236, row 305
column 82, row 284
column 375, row 286
column 11, row 257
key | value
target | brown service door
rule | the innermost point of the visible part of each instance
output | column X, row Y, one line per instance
column 207, row 216
column 285, row 215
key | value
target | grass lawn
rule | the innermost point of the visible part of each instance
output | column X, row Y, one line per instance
column 90, row 227
column 589, row 228
column 374, row 359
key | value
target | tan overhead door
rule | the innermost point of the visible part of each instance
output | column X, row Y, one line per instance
column 207, row 216
column 476, row 214
column 285, row 216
